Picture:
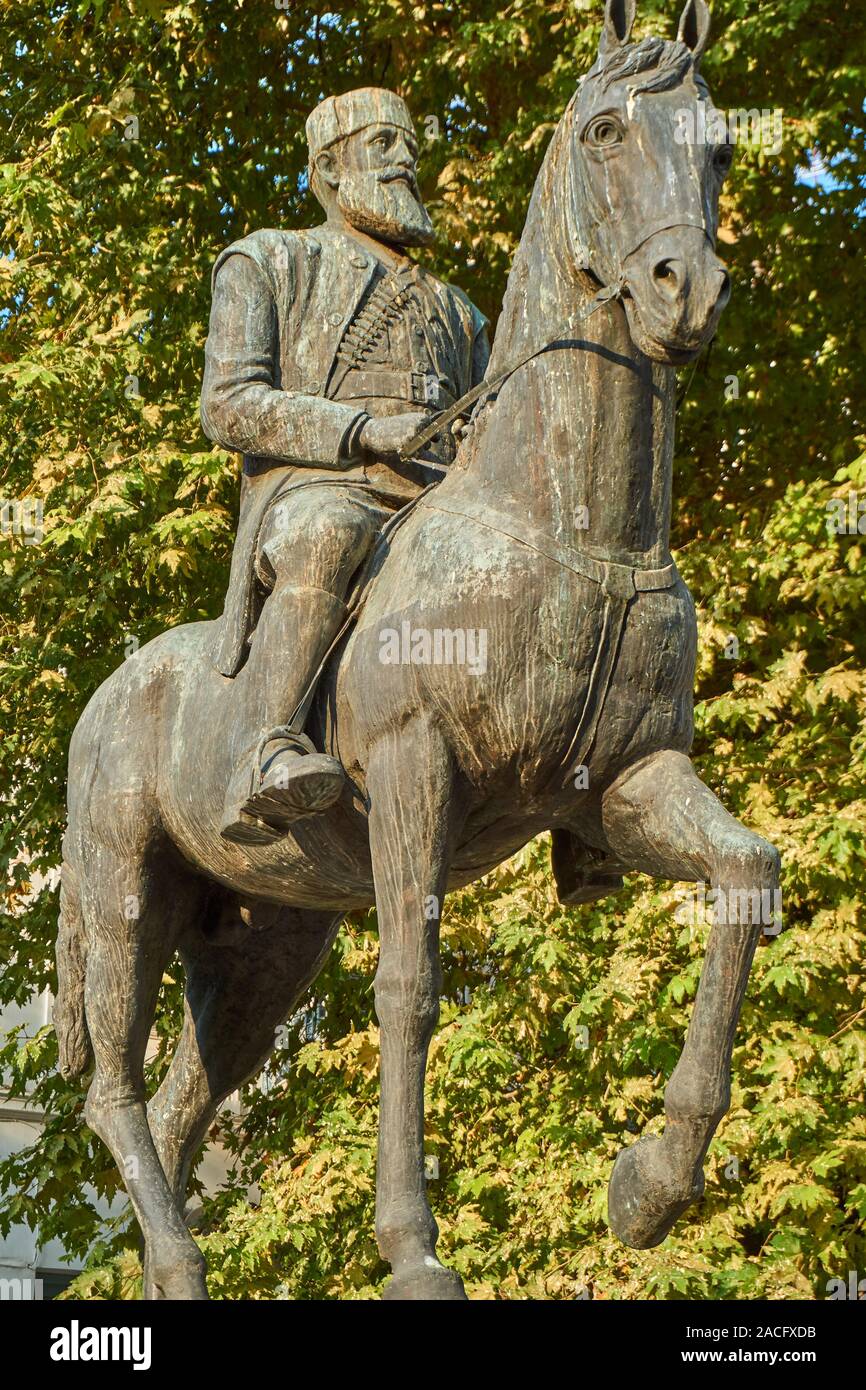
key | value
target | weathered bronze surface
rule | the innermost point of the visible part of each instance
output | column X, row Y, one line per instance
column 204, row 819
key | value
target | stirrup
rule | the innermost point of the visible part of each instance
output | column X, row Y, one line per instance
column 291, row 740
column 314, row 780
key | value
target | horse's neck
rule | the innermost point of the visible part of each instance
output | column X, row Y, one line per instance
column 579, row 441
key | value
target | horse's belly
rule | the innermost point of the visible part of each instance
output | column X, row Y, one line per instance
column 324, row 863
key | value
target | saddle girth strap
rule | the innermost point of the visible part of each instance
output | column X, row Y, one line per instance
column 612, row 628
column 619, row 583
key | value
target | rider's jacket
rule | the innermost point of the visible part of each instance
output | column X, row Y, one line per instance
column 309, row 334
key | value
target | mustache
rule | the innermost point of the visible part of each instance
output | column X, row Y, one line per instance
column 398, row 174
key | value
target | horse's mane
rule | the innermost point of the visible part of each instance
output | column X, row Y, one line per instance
column 665, row 63
column 667, row 60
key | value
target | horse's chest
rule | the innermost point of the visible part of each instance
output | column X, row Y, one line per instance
column 578, row 668
column 567, row 626
column 514, row 716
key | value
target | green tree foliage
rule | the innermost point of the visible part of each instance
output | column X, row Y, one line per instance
column 560, row 1026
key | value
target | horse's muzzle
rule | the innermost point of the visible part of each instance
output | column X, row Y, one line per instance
column 676, row 289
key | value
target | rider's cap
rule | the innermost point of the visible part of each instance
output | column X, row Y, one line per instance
column 336, row 117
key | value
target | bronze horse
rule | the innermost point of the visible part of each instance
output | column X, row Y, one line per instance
column 550, row 535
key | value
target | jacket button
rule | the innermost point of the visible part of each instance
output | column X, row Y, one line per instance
column 335, row 319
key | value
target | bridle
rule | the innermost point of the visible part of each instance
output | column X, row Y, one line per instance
column 609, row 293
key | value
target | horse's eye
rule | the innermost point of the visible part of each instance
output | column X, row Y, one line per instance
column 723, row 158
column 604, row 132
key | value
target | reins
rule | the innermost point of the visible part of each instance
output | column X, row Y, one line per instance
column 444, row 418
column 619, row 583
column 613, row 291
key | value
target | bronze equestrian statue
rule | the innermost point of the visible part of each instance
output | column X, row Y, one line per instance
column 236, row 787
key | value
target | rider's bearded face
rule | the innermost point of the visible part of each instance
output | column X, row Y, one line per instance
column 378, row 191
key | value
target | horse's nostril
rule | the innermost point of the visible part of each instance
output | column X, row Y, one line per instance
column 666, row 276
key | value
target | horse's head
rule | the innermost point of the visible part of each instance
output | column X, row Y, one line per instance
column 647, row 170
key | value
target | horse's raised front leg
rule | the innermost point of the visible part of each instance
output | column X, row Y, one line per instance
column 409, row 783
column 661, row 818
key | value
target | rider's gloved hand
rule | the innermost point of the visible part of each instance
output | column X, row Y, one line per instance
column 386, row 437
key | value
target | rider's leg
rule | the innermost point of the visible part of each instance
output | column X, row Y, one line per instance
column 311, row 545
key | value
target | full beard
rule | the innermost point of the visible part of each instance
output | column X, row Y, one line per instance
column 388, row 210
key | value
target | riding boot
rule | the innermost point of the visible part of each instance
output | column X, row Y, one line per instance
column 579, row 871
column 281, row 778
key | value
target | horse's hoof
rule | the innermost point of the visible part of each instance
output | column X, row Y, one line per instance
column 589, row 888
column 580, row 878
column 425, row 1282
column 644, row 1199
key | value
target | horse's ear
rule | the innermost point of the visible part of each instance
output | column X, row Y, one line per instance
column 618, row 19
column 694, row 27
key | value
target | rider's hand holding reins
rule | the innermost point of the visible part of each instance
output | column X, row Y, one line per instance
column 387, row 437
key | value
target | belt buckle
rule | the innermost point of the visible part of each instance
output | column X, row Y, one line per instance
column 618, row 581
column 425, row 388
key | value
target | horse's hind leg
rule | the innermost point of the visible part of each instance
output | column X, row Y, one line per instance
column 660, row 818
column 241, row 982
column 133, row 910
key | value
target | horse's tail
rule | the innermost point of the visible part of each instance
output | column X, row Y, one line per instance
column 70, row 1024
